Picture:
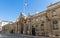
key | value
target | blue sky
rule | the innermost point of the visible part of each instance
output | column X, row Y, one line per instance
column 10, row 9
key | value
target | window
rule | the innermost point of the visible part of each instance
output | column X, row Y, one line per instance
column 47, row 18
column 54, row 14
column 37, row 19
column 42, row 27
column 55, row 25
column 42, row 19
column 36, row 25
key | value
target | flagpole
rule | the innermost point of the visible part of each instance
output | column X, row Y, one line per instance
column 25, row 6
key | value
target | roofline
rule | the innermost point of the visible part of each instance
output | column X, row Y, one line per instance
column 54, row 4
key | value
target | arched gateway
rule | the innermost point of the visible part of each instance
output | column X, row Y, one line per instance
column 33, row 31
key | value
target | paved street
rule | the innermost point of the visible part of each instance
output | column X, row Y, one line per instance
column 19, row 36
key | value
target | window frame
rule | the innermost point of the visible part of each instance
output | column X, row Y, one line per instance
column 55, row 25
column 54, row 13
column 42, row 27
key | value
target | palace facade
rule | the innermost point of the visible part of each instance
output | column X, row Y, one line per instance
column 42, row 23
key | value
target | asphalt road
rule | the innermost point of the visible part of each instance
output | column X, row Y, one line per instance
column 19, row 36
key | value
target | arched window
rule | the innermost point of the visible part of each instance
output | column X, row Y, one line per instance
column 42, row 27
column 42, row 19
column 54, row 13
column 37, row 19
column 55, row 25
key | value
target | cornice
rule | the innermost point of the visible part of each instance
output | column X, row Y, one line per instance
column 53, row 4
column 53, row 8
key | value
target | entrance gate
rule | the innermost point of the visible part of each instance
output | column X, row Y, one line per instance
column 33, row 31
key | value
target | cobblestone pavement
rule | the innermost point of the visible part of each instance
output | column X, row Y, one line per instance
column 21, row 36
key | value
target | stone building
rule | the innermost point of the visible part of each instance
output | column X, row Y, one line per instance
column 42, row 23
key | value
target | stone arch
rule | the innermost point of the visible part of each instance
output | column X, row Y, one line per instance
column 11, row 31
column 33, row 31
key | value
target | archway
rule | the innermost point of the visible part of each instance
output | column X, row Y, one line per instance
column 11, row 31
column 33, row 31
column 22, row 29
